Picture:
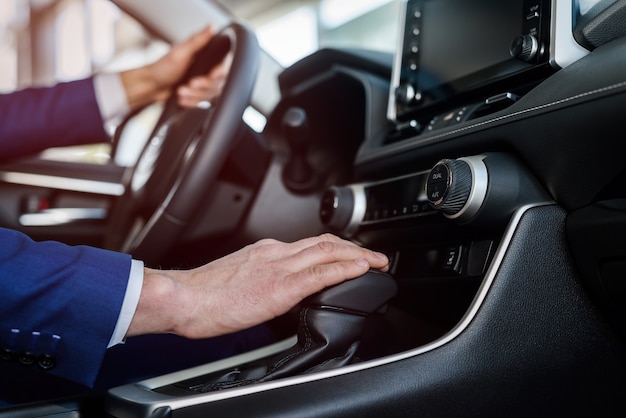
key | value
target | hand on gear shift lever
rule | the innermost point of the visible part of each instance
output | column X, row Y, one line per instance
column 329, row 331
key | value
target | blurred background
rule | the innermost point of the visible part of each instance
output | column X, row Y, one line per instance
column 47, row 41
column 43, row 41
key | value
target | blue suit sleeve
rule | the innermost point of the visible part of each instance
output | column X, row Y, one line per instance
column 34, row 119
column 60, row 303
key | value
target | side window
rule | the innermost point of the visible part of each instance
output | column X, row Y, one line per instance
column 48, row 41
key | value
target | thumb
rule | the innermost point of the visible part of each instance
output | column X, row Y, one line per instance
column 198, row 40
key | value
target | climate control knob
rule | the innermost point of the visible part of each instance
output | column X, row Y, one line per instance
column 457, row 187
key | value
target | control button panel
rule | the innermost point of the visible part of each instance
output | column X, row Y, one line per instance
column 464, row 259
column 454, row 187
column 346, row 208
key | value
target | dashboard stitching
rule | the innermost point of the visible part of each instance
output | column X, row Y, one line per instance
column 535, row 108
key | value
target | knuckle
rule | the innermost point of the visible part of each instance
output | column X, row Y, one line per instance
column 327, row 236
column 265, row 248
column 266, row 241
column 326, row 246
column 318, row 273
column 259, row 251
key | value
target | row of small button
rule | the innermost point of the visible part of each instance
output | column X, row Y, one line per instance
column 30, row 356
column 448, row 119
column 389, row 213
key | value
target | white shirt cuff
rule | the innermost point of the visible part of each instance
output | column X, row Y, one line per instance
column 129, row 305
column 111, row 98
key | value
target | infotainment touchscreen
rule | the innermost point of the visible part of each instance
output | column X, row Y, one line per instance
column 451, row 47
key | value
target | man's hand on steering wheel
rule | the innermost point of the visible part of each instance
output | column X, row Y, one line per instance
column 156, row 81
column 202, row 89
column 175, row 173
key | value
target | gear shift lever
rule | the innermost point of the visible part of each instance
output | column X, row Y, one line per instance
column 329, row 331
column 332, row 323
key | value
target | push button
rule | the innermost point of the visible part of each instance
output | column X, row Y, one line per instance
column 437, row 183
column 46, row 362
column 28, row 357
column 452, row 258
column 436, row 191
column 438, row 174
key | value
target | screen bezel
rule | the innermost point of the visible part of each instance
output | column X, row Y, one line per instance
column 487, row 80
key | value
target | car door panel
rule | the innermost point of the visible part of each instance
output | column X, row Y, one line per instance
column 55, row 200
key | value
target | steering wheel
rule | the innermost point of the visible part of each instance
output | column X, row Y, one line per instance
column 175, row 172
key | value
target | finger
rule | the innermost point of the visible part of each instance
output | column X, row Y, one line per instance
column 188, row 102
column 200, row 38
column 302, row 244
column 184, row 51
column 194, row 93
column 315, row 278
column 219, row 72
column 200, row 83
column 376, row 259
column 271, row 250
column 327, row 252
column 190, row 97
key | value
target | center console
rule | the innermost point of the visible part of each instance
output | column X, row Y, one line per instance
column 446, row 231
column 446, row 223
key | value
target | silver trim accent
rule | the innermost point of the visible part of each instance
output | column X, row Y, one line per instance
column 480, row 181
column 142, row 394
column 359, row 209
column 397, row 64
column 564, row 50
column 63, row 183
column 226, row 363
column 126, row 392
column 62, row 216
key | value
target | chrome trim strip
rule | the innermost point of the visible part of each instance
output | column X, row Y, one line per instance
column 62, row 216
column 480, row 182
column 125, row 393
column 564, row 49
column 63, row 183
column 226, row 363
column 359, row 208
column 397, row 64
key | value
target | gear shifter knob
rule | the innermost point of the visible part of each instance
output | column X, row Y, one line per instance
column 365, row 294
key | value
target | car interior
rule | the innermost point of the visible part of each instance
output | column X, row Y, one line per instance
column 483, row 153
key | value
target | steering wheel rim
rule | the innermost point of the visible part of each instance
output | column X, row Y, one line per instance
column 158, row 205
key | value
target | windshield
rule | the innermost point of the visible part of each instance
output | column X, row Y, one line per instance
column 292, row 29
